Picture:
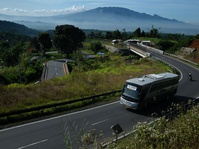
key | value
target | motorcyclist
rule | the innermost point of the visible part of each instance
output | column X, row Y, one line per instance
column 190, row 76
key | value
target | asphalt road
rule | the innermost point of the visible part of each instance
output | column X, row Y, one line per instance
column 55, row 68
column 48, row 133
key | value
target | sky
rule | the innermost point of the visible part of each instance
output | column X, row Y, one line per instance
column 182, row 10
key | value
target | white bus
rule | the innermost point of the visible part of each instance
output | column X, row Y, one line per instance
column 140, row 92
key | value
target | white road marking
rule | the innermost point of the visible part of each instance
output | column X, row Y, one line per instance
column 180, row 74
column 99, row 122
column 45, row 120
column 32, row 144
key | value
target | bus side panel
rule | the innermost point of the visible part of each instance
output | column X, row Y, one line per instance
column 157, row 95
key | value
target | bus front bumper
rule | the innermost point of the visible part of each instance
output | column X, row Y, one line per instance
column 129, row 104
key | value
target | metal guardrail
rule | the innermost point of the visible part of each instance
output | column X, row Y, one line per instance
column 152, row 49
column 53, row 105
column 181, row 58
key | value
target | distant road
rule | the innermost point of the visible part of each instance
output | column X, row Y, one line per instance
column 55, row 68
column 186, row 87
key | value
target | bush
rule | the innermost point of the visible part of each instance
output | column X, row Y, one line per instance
column 165, row 45
column 182, row 132
column 96, row 46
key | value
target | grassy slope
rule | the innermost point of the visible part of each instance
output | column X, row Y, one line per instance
column 109, row 77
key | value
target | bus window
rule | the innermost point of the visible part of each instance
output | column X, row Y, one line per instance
column 163, row 84
column 131, row 91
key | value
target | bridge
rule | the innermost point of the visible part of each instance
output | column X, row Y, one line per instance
column 138, row 51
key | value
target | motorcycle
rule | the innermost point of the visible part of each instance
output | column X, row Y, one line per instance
column 190, row 77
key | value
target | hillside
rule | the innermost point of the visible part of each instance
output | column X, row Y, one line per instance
column 7, row 26
column 195, row 44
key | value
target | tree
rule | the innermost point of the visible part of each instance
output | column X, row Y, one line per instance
column 108, row 35
column 10, row 56
column 143, row 34
column 96, row 46
column 91, row 35
column 154, row 32
column 137, row 32
column 116, row 34
column 124, row 34
column 197, row 36
column 68, row 38
column 34, row 44
column 165, row 44
column 44, row 41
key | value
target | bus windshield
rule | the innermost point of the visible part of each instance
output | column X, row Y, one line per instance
column 131, row 90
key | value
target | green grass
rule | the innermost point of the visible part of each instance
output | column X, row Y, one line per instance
column 110, row 76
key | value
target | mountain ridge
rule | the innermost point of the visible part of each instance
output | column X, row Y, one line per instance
column 7, row 26
column 109, row 18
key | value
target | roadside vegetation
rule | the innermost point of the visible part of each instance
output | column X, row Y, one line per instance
column 21, row 65
column 102, row 76
column 181, row 132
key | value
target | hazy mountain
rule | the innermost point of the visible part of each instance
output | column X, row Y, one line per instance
column 109, row 18
column 119, row 18
column 38, row 25
column 7, row 26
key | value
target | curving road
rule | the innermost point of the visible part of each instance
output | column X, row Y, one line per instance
column 55, row 68
column 48, row 133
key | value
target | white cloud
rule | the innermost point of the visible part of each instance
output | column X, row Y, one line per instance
column 14, row 11
column 41, row 12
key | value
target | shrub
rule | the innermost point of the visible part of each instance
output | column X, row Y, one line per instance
column 182, row 132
